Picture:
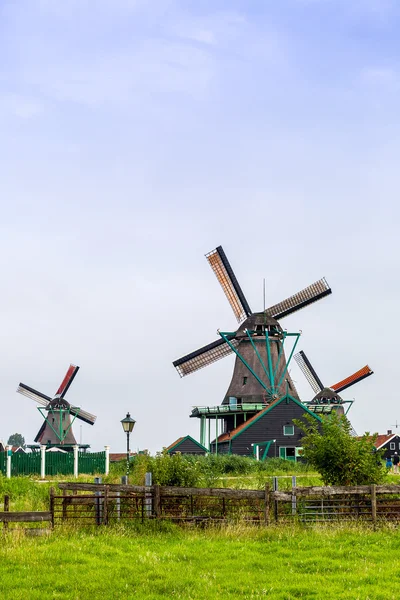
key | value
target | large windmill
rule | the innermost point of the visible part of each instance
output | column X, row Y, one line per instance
column 56, row 429
column 260, row 374
column 326, row 398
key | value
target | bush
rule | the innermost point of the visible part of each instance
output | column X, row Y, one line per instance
column 340, row 458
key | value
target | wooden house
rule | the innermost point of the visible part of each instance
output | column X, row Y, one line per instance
column 270, row 433
column 186, row 445
column 389, row 442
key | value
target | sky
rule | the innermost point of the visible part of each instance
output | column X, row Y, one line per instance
column 135, row 137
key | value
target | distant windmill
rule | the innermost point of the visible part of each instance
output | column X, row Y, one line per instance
column 56, row 411
column 327, row 396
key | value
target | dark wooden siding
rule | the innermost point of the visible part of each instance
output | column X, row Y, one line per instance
column 187, row 447
column 269, row 427
column 388, row 451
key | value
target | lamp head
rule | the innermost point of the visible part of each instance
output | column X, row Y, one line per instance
column 128, row 424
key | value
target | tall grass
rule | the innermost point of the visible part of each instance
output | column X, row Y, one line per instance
column 232, row 562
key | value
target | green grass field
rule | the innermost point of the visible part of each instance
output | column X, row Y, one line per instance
column 275, row 563
column 159, row 560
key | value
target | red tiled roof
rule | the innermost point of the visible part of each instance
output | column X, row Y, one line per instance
column 116, row 456
column 352, row 378
column 174, row 444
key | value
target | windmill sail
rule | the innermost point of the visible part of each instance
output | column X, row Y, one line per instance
column 310, row 294
column 230, row 285
column 203, row 356
column 308, row 371
column 352, row 379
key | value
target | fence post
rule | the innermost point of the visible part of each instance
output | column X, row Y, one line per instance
column 294, row 498
column 6, row 509
column 105, row 506
column 42, row 461
column 52, row 506
column 373, row 503
column 76, row 459
column 148, row 500
column 157, row 501
column 98, row 502
column 9, row 455
column 275, row 487
column 266, row 504
column 107, row 467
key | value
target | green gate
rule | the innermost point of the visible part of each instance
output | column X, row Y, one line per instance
column 59, row 463
column 91, row 463
column 25, row 464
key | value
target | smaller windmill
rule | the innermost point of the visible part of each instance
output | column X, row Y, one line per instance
column 328, row 398
column 56, row 429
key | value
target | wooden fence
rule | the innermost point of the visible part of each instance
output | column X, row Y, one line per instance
column 102, row 504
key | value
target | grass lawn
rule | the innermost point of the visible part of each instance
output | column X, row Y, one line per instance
column 275, row 563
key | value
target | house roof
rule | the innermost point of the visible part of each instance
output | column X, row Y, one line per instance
column 383, row 439
column 182, row 439
column 235, row 432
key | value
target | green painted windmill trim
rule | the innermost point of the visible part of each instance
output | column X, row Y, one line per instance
column 224, row 336
column 187, row 437
column 271, row 407
column 258, row 355
column 289, row 359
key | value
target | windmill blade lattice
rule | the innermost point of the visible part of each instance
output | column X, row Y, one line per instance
column 29, row 392
column 309, row 372
column 204, row 356
column 230, row 285
column 309, row 295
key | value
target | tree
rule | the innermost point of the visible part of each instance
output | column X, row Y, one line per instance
column 16, row 439
column 340, row 458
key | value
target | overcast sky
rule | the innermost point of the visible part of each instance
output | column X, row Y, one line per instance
column 137, row 136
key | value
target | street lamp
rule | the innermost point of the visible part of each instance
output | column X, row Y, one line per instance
column 127, row 425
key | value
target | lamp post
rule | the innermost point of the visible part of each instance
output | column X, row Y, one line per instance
column 127, row 425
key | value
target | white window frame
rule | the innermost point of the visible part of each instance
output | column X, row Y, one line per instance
column 288, row 434
column 392, row 446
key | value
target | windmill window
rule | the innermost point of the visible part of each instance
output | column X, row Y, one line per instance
column 244, row 380
column 392, row 446
column 52, row 420
column 259, row 330
column 288, row 430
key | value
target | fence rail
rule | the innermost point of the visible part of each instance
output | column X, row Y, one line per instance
column 102, row 504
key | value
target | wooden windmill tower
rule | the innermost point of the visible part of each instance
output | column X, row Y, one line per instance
column 260, row 374
column 326, row 398
column 58, row 414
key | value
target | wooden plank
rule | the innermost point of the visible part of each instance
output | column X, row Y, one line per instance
column 157, row 501
column 373, row 502
column 25, row 517
column 284, row 496
column 105, row 506
column 266, row 504
column 346, row 489
column 52, row 505
column 100, row 487
column 216, row 492
column 6, row 509
column 166, row 490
